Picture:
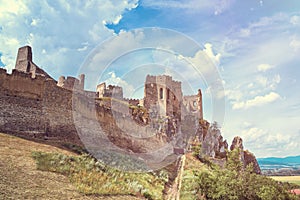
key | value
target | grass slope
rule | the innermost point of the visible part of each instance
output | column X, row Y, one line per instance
column 20, row 178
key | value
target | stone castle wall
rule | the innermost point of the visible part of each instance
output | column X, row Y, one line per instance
column 35, row 107
column 38, row 108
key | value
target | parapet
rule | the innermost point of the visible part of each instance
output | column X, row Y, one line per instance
column 3, row 71
column 109, row 91
column 71, row 83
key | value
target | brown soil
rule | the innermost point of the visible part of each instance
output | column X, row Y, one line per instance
column 19, row 178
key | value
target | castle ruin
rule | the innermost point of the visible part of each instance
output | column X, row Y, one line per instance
column 33, row 104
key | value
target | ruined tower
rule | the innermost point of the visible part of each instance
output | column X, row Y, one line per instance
column 192, row 105
column 71, row 83
column 25, row 64
column 24, row 59
column 109, row 91
column 163, row 95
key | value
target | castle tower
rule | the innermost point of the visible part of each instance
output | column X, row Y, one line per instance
column 24, row 59
column 163, row 96
column 25, row 64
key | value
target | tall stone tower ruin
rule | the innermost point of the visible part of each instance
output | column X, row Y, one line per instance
column 163, row 95
column 25, row 64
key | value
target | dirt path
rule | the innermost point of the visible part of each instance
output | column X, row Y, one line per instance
column 19, row 178
column 174, row 193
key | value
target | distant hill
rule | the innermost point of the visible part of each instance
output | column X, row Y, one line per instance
column 274, row 162
column 280, row 166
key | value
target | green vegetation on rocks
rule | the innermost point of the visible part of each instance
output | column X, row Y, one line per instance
column 234, row 182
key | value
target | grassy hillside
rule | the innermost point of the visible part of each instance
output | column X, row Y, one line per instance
column 20, row 178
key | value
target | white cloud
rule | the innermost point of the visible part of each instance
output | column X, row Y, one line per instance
column 34, row 22
column 128, row 89
column 12, row 8
column 245, row 32
column 56, row 27
column 295, row 20
column 264, row 67
column 256, row 101
column 267, row 142
column 217, row 7
column 209, row 51
column 262, row 80
column 235, row 95
column 295, row 44
column 274, row 82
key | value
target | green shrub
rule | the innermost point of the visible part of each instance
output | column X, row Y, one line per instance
column 234, row 182
column 93, row 177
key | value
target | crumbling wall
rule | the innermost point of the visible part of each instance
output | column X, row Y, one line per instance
column 192, row 105
column 38, row 108
column 25, row 64
column 71, row 83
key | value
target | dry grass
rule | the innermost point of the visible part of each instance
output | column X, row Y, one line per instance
column 290, row 179
column 21, row 180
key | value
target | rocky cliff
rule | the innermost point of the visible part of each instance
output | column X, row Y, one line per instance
column 245, row 156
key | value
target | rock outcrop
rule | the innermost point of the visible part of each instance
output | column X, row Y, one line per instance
column 213, row 144
column 245, row 156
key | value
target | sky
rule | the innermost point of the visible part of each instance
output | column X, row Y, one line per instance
column 251, row 47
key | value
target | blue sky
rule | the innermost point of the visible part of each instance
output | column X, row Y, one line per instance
column 254, row 45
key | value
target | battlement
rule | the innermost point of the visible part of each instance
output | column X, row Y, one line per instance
column 163, row 79
column 109, row 91
column 71, row 83
column 3, row 71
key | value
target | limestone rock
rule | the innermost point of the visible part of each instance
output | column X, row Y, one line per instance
column 237, row 143
column 250, row 158
column 213, row 144
column 245, row 156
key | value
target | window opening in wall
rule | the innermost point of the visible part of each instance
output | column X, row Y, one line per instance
column 195, row 103
column 161, row 93
column 168, row 94
column 28, row 67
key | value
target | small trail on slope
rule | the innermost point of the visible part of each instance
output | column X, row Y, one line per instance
column 174, row 192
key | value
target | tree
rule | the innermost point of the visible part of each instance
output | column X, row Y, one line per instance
column 235, row 182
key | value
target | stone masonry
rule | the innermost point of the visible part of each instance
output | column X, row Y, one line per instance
column 33, row 104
